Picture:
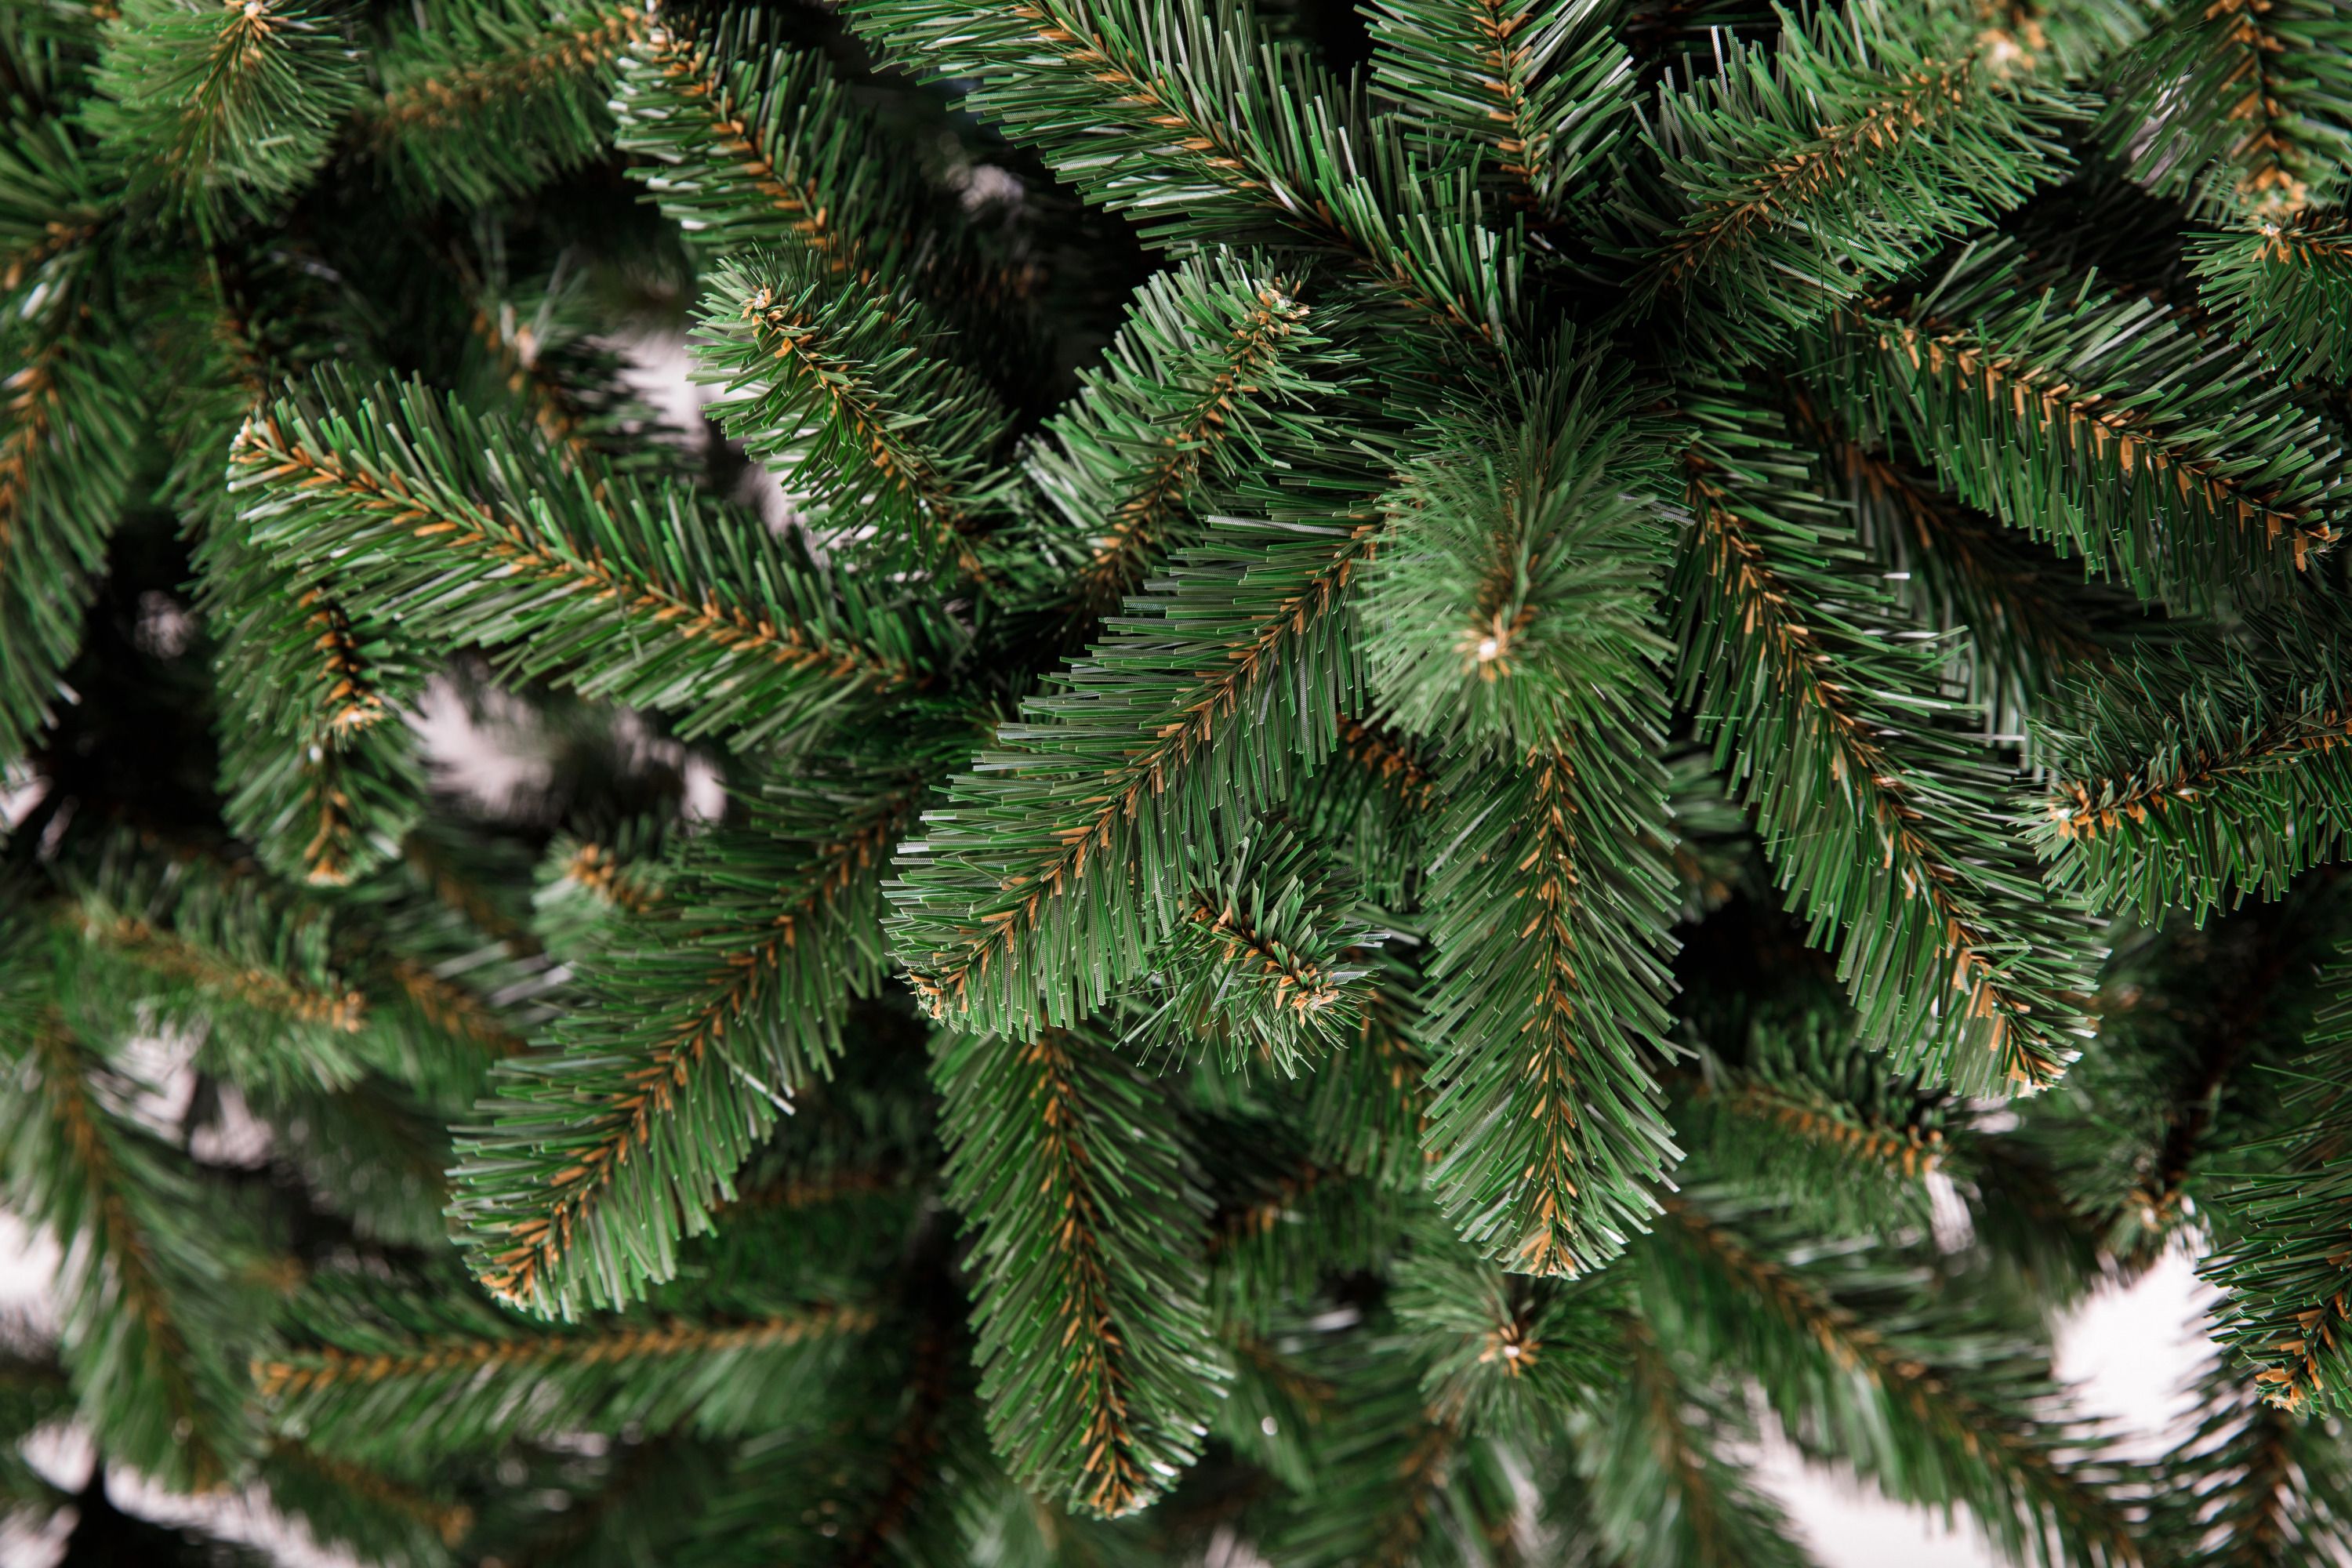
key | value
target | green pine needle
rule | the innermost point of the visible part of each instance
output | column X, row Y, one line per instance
column 216, row 109
column 1519, row 576
column 1097, row 1366
column 877, row 439
column 484, row 100
column 164, row 1284
column 2153, row 455
column 1018, row 905
column 728, row 998
column 1943, row 1413
column 2199, row 779
column 1240, row 144
column 1883, row 820
column 2240, row 106
column 360, row 1367
column 1551, row 897
column 68, row 414
column 1797, row 178
column 732, row 627
column 1536, row 92
column 2286, row 288
column 1216, row 369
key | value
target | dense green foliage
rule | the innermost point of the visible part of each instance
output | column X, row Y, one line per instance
column 1370, row 780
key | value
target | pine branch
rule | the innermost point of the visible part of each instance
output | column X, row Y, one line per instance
column 456, row 1011
column 1368, row 1105
column 1928, row 1432
column 1211, row 372
column 2030, row 620
column 725, row 1000
column 450, row 869
column 2243, row 106
column 1272, row 1406
column 1267, row 969
column 1503, row 1354
column 822, row 1187
column 1053, row 869
column 2287, row 1276
column 358, row 1391
column 1409, row 1520
column 218, row 358
column 1815, row 1121
column 1519, row 573
column 1537, row 91
column 1286, row 1226
column 1551, row 904
column 1226, row 957
column 612, row 879
column 1395, row 1484
column 45, row 57
column 760, row 147
column 2251, row 1007
column 320, row 767
column 57, row 197
column 590, row 890
column 534, row 348
column 1849, row 1162
column 753, row 143
column 183, row 943
column 727, row 625
column 446, row 998
column 2076, row 40
column 488, row 99
column 150, row 1301
column 314, row 777
column 2201, row 780
column 1881, row 821
column 2285, row 288
column 1391, row 758
column 1372, row 827
column 219, row 108
column 878, row 1477
column 513, row 351
column 1295, row 695
column 2099, row 423
column 1236, row 146
column 1665, row 1492
column 171, row 957
column 2253, row 1485
column 1098, row 1365
column 67, row 444
column 833, row 384
column 1795, row 178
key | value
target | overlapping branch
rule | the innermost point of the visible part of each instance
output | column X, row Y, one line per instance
column 1883, row 823
column 728, row 998
column 726, row 625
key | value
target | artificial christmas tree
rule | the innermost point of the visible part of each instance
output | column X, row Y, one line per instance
column 1463, row 749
